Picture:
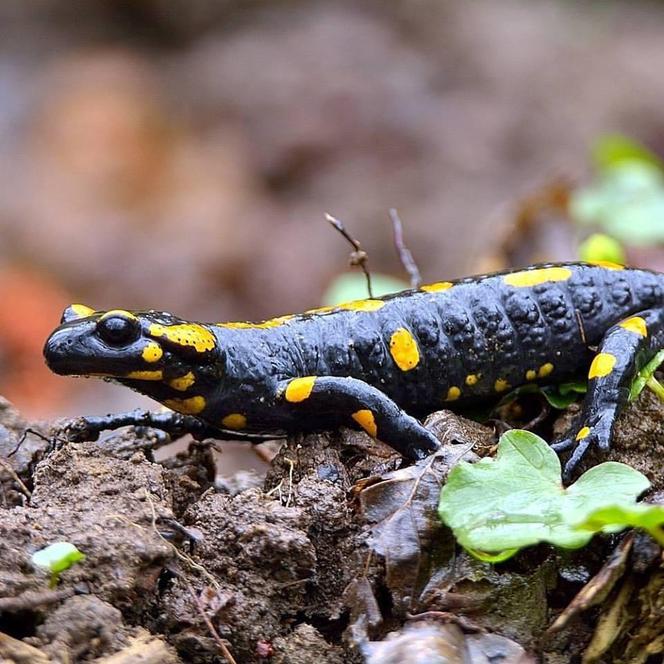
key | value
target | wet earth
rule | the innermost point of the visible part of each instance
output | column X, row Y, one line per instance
column 311, row 563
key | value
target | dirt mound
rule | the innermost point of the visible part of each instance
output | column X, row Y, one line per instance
column 303, row 569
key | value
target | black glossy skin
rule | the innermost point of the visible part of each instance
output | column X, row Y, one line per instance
column 483, row 326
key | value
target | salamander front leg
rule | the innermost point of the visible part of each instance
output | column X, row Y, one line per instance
column 363, row 405
column 625, row 349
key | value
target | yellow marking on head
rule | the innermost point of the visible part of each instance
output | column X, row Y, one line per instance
column 186, row 334
column 609, row 265
column 635, row 324
column 245, row 325
column 453, row 393
column 234, row 421
column 190, row 406
column 299, row 389
column 437, row 287
column 545, row 370
column 152, row 352
column 471, row 379
column 119, row 312
column 602, row 365
column 541, row 275
column 183, row 383
column 365, row 418
column 531, row 374
column 582, row 433
column 81, row 310
column 501, row 385
column 146, row 375
column 404, row 350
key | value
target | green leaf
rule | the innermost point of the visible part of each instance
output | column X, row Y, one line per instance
column 645, row 376
column 626, row 202
column 565, row 394
column 602, row 247
column 640, row 515
column 558, row 396
column 353, row 286
column 517, row 499
column 57, row 557
column 614, row 149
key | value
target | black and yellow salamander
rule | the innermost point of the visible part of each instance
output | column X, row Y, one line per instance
column 381, row 363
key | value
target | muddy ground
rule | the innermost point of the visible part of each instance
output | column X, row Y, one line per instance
column 306, row 564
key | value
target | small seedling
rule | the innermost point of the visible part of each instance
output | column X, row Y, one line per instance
column 56, row 558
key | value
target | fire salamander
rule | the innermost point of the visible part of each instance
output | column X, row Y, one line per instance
column 381, row 363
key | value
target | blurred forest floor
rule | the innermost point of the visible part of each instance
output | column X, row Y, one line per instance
column 180, row 156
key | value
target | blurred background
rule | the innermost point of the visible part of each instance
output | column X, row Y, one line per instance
column 181, row 155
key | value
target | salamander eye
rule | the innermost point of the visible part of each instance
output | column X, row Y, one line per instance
column 118, row 330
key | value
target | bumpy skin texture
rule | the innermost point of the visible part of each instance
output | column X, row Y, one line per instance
column 371, row 362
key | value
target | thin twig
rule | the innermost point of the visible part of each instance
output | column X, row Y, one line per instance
column 358, row 256
column 208, row 623
column 404, row 253
column 24, row 489
column 540, row 417
column 582, row 330
column 179, row 554
column 290, row 481
column 24, row 435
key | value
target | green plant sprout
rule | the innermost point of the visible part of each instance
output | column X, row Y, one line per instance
column 56, row 558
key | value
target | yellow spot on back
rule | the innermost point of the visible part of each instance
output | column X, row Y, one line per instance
column 183, row 383
column 545, row 370
column 608, row 265
column 471, row 379
column 453, row 393
column 320, row 310
column 146, row 375
column 582, row 433
column 299, row 389
column 186, row 334
column 635, row 324
column 537, row 276
column 437, row 287
column 366, row 419
column 404, row 350
column 234, row 421
column 190, row 406
column 362, row 305
column 266, row 324
column 602, row 365
column 501, row 385
column 152, row 352
column 81, row 310
column 118, row 312
column 531, row 374
column 355, row 305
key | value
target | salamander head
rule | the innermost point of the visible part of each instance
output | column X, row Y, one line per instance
column 154, row 352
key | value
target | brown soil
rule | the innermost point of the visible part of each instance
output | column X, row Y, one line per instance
column 178, row 568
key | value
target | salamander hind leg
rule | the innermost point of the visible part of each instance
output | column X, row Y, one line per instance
column 355, row 402
column 626, row 348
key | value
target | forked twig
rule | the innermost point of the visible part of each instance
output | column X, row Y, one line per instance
column 404, row 253
column 358, row 256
